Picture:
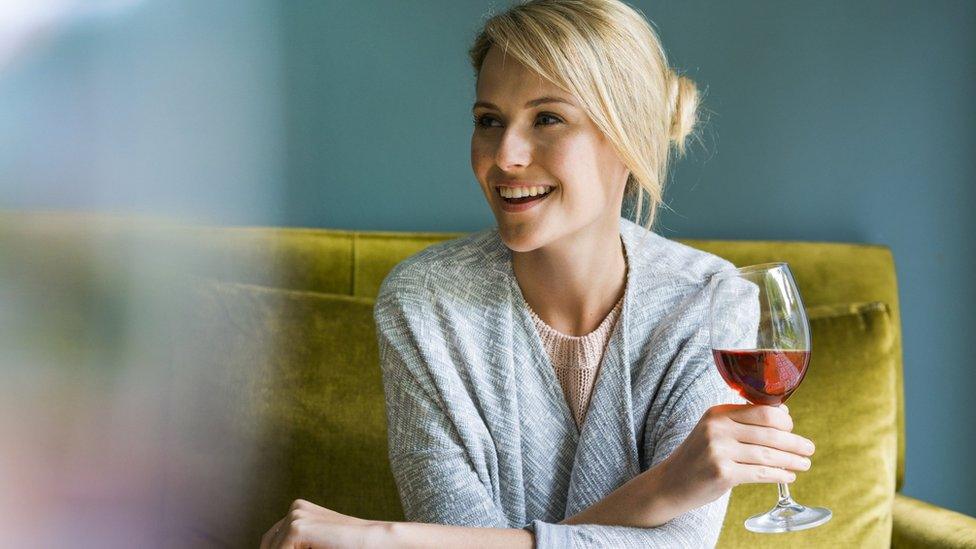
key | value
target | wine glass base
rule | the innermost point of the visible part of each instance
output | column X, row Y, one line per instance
column 788, row 518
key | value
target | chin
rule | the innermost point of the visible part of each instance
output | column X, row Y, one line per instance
column 520, row 238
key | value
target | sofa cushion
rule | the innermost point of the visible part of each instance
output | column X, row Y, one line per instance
column 846, row 405
column 276, row 395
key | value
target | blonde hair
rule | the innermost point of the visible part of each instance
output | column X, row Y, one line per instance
column 607, row 55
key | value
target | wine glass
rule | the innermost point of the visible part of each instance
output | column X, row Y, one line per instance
column 760, row 339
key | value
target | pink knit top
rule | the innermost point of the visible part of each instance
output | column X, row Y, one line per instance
column 577, row 359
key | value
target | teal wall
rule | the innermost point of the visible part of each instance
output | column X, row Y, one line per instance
column 158, row 107
column 833, row 120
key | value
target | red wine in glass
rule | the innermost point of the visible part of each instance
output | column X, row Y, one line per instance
column 760, row 340
column 763, row 376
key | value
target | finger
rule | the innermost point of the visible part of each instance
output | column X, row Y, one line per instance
column 773, row 438
column 280, row 538
column 282, row 530
column 746, row 473
column 764, row 455
column 269, row 535
column 305, row 505
column 763, row 415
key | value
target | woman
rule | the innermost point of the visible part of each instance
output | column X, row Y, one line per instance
column 549, row 381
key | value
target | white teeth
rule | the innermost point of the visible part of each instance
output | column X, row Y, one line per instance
column 519, row 192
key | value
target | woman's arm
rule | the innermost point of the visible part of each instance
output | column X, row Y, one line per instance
column 317, row 527
column 640, row 502
column 436, row 480
column 434, row 476
column 417, row 535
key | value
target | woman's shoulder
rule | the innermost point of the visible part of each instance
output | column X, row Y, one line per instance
column 671, row 261
column 446, row 286
column 445, row 265
column 671, row 283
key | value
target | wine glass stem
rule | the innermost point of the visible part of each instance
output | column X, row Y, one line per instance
column 784, row 495
column 784, row 492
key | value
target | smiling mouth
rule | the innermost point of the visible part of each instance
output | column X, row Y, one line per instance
column 525, row 199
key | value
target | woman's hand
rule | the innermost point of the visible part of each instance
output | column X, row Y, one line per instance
column 735, row 444
column 310, row 525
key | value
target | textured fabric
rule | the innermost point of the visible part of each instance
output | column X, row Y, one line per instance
column 479, row 431
column 921, row 525
column 576, row 359
column 846, row 406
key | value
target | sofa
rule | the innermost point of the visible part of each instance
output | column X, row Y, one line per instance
column 256, row 352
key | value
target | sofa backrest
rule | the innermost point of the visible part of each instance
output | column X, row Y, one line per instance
column 295, row 278
column 355, row 262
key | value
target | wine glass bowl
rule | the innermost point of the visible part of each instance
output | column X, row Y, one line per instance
column 763, row 376
column 760, row 340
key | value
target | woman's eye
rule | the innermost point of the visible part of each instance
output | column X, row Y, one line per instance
column 480, row 121
column 484, row 120
column 541, row 116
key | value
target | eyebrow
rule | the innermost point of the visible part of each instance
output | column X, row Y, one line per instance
column 532, row 103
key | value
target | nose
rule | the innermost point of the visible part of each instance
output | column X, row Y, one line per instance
column 514, row 149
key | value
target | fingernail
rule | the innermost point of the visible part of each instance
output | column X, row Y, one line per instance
column 810, row 447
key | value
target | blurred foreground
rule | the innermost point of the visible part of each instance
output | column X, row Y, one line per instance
column 108, row 427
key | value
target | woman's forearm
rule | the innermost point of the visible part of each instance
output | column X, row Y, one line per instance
column 409, row 535
column 644, row 501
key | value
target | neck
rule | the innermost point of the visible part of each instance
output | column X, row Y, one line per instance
column 572, row 284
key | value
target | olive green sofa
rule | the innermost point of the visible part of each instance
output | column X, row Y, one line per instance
column 262, row 342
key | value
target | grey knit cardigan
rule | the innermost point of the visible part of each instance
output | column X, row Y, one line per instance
column 479, row 431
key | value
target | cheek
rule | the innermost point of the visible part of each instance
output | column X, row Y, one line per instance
column 481, row 156
column 574, row 163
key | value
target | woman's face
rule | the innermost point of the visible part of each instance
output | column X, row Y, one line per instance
column 555, row 144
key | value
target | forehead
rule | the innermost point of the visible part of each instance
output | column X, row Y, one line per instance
column 503, row 76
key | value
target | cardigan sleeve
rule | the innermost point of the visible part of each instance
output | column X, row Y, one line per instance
column 698, row 386
column 433, row 473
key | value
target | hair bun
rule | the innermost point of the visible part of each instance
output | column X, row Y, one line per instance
column 684, row 101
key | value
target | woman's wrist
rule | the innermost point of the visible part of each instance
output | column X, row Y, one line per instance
column 664, row 502
column 400, row 535
column 380, row 534
column 658, row 501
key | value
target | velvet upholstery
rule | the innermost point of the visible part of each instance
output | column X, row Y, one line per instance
column 274, row 324
column 921, row 525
